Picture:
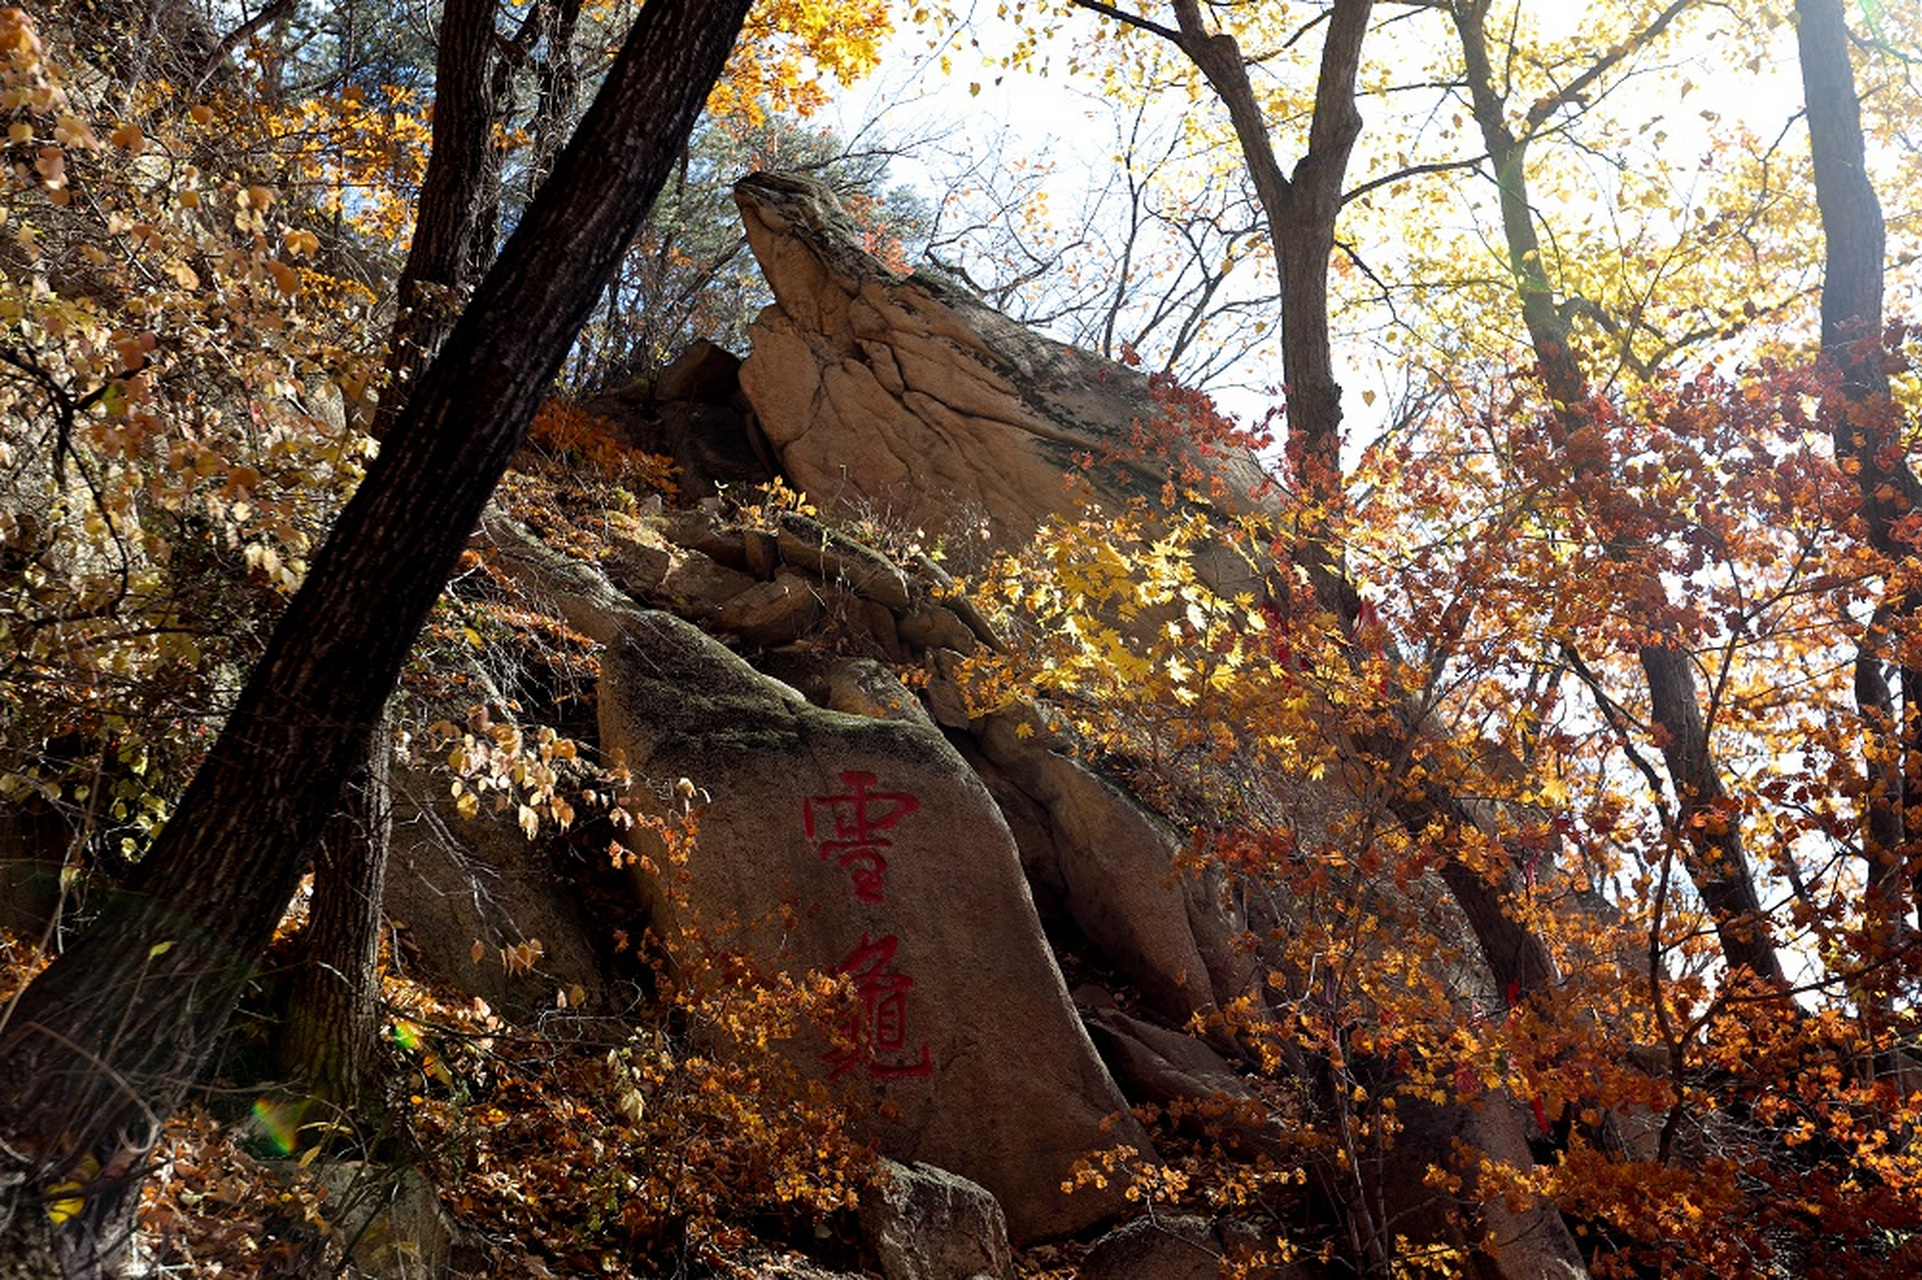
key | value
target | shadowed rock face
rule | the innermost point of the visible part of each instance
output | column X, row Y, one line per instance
column 916, row 399
column 897, row 870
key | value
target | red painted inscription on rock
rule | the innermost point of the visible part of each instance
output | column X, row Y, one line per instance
column 877, row 1033
column 851, row 829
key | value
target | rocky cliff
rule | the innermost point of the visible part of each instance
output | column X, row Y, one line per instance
column 854, row 823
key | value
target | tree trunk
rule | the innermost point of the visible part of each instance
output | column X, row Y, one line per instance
column 1863, row 424
column 107, row 1040
column 441, row 260
column 329, row 1042
column 1301, row 211
column 1852, row 225
column 556, row 88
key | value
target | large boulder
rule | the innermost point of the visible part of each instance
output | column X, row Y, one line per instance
column 1505, row 1240
column 924, row 1223
column 1118, row 872
column 901, row 874
column 479, row 910
column 914, row 399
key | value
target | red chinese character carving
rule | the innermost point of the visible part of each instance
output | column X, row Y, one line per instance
column 850, row 827
column 878, row 1032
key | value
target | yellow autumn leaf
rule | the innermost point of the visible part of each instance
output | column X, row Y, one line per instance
column 62, row 1207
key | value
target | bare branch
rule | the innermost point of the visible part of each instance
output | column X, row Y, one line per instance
column 1127, row 19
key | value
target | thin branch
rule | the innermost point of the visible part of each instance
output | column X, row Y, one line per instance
column 1127, row 19
column 272, row 13
column 1412, row 171
column 1549, row 105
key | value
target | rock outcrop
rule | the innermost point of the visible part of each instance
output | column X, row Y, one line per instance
column 1116, row 871
column 867, row 847
column 925, row 1223
column 477, row 909
column 896, row 834
column 864, row 844
column 1507, row 1241
column 913, row 400
column 1183, row 1247
column 693, row 414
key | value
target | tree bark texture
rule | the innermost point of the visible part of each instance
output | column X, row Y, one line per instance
column 556, row 89
column 1864, row 425
column 106, row 1041
column 330, row 1039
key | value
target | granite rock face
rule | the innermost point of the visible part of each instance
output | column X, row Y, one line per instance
column 913, row 400
column 1117, row 872
column 868, row 847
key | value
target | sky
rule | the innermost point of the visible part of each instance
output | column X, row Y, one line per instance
column 1051, row 115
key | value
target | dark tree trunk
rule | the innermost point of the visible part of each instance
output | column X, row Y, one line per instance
column 556, row 88
column 442, row 260
column 107, row 1040
column 331, row 1034
column 1852, row 224
column 1301, row 212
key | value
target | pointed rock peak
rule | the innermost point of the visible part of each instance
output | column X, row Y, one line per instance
column 788, row 206
column 912, row 399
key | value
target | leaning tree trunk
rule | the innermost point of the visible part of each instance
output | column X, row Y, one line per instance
column 105, row 1043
